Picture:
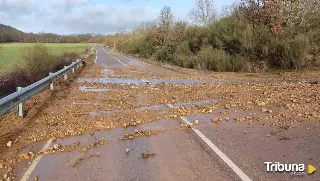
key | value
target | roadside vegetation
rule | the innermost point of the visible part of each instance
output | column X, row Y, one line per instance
column 11, row 53
column 250, row 36
column 35, row 62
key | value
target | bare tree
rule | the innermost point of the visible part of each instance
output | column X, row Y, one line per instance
column 299, row 11
column 203, row 13
column 165, row 18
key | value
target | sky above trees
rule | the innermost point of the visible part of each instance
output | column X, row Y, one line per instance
column 89, row 16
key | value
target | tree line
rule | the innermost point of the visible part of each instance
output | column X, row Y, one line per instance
column 10, row 34
column 251, row 35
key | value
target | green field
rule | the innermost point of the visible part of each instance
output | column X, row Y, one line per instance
column 10, row 53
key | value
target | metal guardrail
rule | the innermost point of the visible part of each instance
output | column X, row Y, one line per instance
column 14, row 99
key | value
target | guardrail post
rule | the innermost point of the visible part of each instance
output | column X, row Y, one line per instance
column 51, row 85
column 20, row 107
column 65, row 76
column 73, row 67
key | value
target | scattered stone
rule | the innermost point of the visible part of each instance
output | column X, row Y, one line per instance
column 196, row 122
column 127, row 150
column 216, row 120
column 5, row 176
column 264, row 110
column 147, row 155
column 35, row 178
column 284, row 138
column 85, row 149
column 56, row 146
column 227, row 106
column 26, row 156
column 9, row 144
column 227, row 119
column 1, row 166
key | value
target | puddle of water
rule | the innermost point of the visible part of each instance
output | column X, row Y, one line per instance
column 91, row 89
column 85, row 103
column 196, row 102
column 135, row 81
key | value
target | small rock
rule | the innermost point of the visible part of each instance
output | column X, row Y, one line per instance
column 196, row 122
column 284, row 138
column 31, row 154
column 127, row 150
column 56, row 146
column 85, row 149
column 227, row 119
column 35, row 178
column 264, row 110
column 1, row 166
column 26, row 156
column 5, row 176
column 9, row 144
column 269, row 111
column 261, row 104
column 227, row 106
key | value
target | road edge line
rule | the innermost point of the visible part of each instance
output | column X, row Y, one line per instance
column 216, row 150
column 35, row 162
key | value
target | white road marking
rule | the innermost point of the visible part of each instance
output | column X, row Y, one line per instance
column 96, row 56
column 35, row 162
column 112, row 56
column 224, row 157
column 170, row 106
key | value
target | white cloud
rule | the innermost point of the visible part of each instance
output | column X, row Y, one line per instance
column 72, row 16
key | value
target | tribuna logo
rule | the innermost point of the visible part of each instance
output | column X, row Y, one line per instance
column 278, row 167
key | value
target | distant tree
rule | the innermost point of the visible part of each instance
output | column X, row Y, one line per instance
column 203, row 13
column 267, row 12
column 300, row 12
column 165, row 18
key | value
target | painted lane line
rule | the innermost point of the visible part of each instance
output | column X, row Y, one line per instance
column 216, row 150
column 170, row 106
column 112, row 56
column 96, row 56
column 224, row 157
column 35, row 162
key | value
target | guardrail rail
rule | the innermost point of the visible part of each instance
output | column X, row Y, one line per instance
column 17, row 98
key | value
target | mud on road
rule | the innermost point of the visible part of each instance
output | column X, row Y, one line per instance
column 233, row 110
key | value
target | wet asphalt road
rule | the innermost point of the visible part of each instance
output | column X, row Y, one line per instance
column 179, row 155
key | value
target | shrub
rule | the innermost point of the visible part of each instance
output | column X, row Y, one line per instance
column 289, row 54
column 65, row 59
column 213, row 59
column 9, row 82
column 183, row 56
column 164, row 54
column 38, row 61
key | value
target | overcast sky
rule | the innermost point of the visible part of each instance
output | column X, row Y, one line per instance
column 88, row 16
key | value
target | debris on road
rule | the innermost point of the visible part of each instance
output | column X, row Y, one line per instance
column 147, row 155
column 139, row 133
column 9, row 143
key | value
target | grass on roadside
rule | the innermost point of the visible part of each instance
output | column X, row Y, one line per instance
column 10, row 53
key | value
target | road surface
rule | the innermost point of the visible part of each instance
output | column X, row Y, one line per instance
column 117, row 91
